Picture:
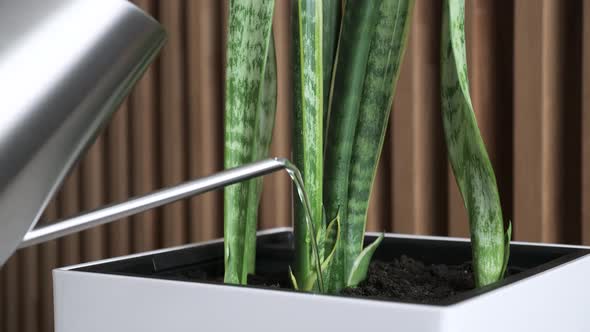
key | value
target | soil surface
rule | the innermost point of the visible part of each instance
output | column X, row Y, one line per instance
column 407, row 279
column 404, row 279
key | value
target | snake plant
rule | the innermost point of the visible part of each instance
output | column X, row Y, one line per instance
column 365, row 67
column 250, row 104
column 308, row 126
column 467, row 153
column 346, row 61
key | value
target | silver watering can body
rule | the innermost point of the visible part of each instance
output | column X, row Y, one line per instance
column 65, row 67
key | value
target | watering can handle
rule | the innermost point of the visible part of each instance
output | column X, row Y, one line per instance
column 152, row 200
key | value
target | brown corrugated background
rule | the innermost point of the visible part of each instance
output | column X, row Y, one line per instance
column 530, row 83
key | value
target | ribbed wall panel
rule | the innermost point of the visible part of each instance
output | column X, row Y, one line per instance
column 92, row 187
column 145, row 148
column 117, row 179
column 418, row 160
column 173, row 115
column 205, row 116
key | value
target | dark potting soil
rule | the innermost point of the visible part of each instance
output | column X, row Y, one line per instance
column 404, row 279
column 407, row 279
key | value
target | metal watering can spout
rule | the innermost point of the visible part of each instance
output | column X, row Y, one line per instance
column 65, row 67
column 155, row 199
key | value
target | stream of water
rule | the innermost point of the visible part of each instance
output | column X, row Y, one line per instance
column 298, row 180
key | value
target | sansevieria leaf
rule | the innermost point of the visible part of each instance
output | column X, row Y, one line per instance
column 249, row 31
column 332, row 243
column 469, row 160
column 332, row 13
column 293, row 280
column 332, row 234
column 308, row 127
column 265, row 120
column 358, row 25
column 385, row 56
column 360, row 266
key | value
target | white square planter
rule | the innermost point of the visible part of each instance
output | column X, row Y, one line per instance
column 137, row 293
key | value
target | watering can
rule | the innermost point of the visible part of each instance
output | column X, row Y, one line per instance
column 65, row 67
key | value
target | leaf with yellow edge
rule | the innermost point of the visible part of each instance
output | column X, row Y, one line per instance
column 361, row 264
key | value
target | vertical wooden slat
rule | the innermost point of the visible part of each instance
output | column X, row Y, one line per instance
column 547, row 96
column 69, row 205
column 551, row 121
column 12, row 296
column 205, row 112
column 224, row 21
column 585, row 149
column 529, row 210
column 418, row 163
column 172, row 119
column 430, row 158
column 276, row 195
column 93, row 193
column 48, row 260
column 118, row 179
column 503, row 60
column 144, row 147
column 570, row 109
column 29, row 289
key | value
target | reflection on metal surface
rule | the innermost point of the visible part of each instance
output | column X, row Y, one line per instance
column 153, row 200
column 65, row 66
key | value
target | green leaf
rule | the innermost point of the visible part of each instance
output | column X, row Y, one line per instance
column 467, row 154
column 233, row 278
column 507, row 240
column 249, row 31
column 332, row 234
column 358, row 26
column 265, row 120
column 330, row 266
column 308, row 126
column 330, row 32
column 360, row 267
column 327, row 266
column 293, row 280
column 385, row 56
column 321, row 241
